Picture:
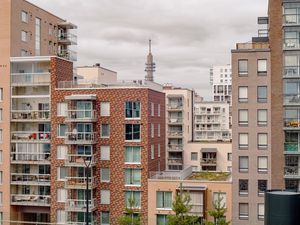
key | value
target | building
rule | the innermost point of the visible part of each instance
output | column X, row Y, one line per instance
column 179, row 124
column 204, row 188
column 27, row 31
column 220, row 80
column 252, row 130
column 211, row 121
column 209, row 156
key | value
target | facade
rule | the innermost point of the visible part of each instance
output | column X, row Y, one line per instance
column 27, row 31
column 211, row 121
column 209, row 156
column 220, row 80
column 163, row 187
column 179, row 120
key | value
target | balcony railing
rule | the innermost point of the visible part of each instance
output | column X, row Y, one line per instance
column 27, row 115
column 78, row 159
column 81, row 115
column 68, row 54
column 291, row 19
column 292, row 172
column 175, row 133
column 212, row 161
column 207, row 121
column 175, row 120
column 68, row 38
column 292, row 99
column 80, row 137
column 291, row 71
column 30, row 200
column 291, row 123
column 26, row 79
column 78, row 182
column 291, row 43
column 175, row 161
column 34, row 157
column 175, row 147
column 291, row 148
column 78, row 205
column 178, row 106
column 30, row 179
column 30, row 136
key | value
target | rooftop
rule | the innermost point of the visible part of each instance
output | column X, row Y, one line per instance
column 252, row 46
column 210, row 176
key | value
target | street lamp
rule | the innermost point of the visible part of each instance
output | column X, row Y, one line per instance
column 87, row 162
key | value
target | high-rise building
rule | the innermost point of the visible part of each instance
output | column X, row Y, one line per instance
column 28, row 36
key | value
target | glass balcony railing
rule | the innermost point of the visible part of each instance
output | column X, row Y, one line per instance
column 80, row 137
column 34, row 157
column 30, row 179
column 175, row 147
column 177, row 106
column 291, row 71
column 28, row 115
column 292, row 172
column 175, row 120
column 175, row 133
column 30, row 200
column 210, row 161
column 291, row 147
column 68, row 54
column 79, row 159
column 78, row 205
column 30, row 136
column 291, row 19
column 175, row 160
column 82, row 115
column 78, row 182
column 292, row 99
column 28, row 79
column 68, row 38
column 291, row 43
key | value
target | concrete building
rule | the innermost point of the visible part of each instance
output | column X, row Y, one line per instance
column 27, row 31
column 179, row 120
column 211, row 121
column 163, row 187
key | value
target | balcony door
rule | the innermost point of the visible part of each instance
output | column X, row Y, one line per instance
column 84, row 109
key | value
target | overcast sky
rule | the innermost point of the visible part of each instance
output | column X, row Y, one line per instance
column 188, row 36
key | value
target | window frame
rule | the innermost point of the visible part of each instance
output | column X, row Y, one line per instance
column 262, row 123
column 243, row 73
column 246, row 169
column 133, row 110
column 132, row 133
column 108, row 130
column 263, row 99
column 243, row 122
column 262, row 72
column 242, row 100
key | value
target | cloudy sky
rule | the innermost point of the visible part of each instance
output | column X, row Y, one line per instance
column 188, row 35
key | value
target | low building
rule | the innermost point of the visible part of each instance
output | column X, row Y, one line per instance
column 204, row 188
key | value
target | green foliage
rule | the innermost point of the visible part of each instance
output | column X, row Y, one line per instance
column 130, row 217
column 181, row 206
column 218, row 213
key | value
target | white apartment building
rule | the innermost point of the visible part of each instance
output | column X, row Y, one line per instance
column 220, row 80
column 211, row 121
column 179, row 128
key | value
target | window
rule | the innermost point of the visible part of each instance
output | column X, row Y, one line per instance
column 24, row 36
column 105, row 173
column 220, row 196
column 62, row 195
column 105, row 152
column 243, row 67
column 61, row 130
column 105, row 132
column 132, row 110
column 158, row 130
column 152, row 130
column 243, row 164
column 50, row 29
column 158, row 110
column 261, row 211
column 105, row 197
column 105, row 109
column 262, row 94
column 61, row 173
column 262, row 187
column 1, row 177
column 1, row 218
column 1, row 94
column 161, row 219
column 262, row 140
column 1, row 156
column 152, row 151
column 152, row 109
column 291, row 64
column 262, row 164
column 164, row 199
column 62, row 151
column 243, row 211
column 243, row 140
column 261, row 67
column 194, row 156
column 37, row 36
column 243, row 117
column 61, row 216
column 262, row 117
column 1, row 114
column 105, row 218
column 229, row 156
column 133, row 154
column 62, row 109
column 132, row 177
column 243, row 187
column 243, row 94
column 132, row 132
column 134, row 196
column 1, row 135
column 24, row 17
column 158, row 150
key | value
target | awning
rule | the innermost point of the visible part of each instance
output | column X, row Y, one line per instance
column 80, row 97
column 193, row 187
column 208, row 150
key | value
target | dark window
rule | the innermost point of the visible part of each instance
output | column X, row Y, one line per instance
column 262, row 186
column 262, row 94
column 243, row 187
column 132, row 132
column 132, row 109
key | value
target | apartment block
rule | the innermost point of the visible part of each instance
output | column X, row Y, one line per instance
column 211, row 121
column 164, row 186
column 179, row 124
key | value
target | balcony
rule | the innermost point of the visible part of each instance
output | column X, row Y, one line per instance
column 68, row 54
column 67, row 39
column 75, row 160
column 292, row 99
column 291, row 124
column 291, row 44
column 81, row 116
column 30, row 158
column 87, row 138
column 175, row 147
column 30, row 115
column 216, row 121
column 30, row 79
column 78, row 205
column 291, row 148
column 30, row 179
column 178, row 134
column 208, row 161
column 291, row 20
column 175, row 161
column 291, row 72
column 292, row 172
column 30, row 200
column 30, row 136
column 175, row 107
column 175, row 120
column 78, row 182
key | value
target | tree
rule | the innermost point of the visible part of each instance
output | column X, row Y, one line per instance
column 218, row 213
column 181, row 206
column 130, row 217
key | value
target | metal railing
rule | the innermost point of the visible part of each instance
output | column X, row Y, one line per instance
column 175, row 160
column 175, row 120
column 80, row 137
column 79, row 159
column 30, row 136
column 175, row 133
column 291, row 71
column 291, row 147
column 23, row 79
column 291, row 19
column 291, row 43
column 291, row 122
column 293, row 99
column 30, row 156
column 78, row 182
column 30, row 200
column 78, row 205
column 172, row 175
column 292, row 171
column 175, row 147
column 30, row 115
column 42, row 179
column 175, row 106
column 209, row 161
column 82, row 115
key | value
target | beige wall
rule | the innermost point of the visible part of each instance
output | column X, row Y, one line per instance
column 171, row 185
column 99, row 74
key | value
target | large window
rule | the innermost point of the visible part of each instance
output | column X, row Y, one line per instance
column 62, row 195
column 262, row 164
column 61, row 173
column 105, row 197
column 243, row 67
column 262, row 140
column 105, row 109
column 291, row 65
column 262, row 117
column 132, row 132
column 260, row 211
column 243, row 94
column 132, row 109
column 220, row 196
column 24, row 17
column 243, row 163
column 62, row 109
column 105, row 174
column 161, row 219
column 105, row 131
column 105, row 152
column 243, row 140
column 262, row 94
column 133, row 154
column 132, row 177
column 243, row 187
column 133, row 197
column 61, row 130
column 61, row 216
column 262, row 186
column 164, row 199
column 243, row 117
column 262, row 67
column 194, row 156
column 243, row 211
column 105, row 218
column 62, row 151
column 37, row 36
